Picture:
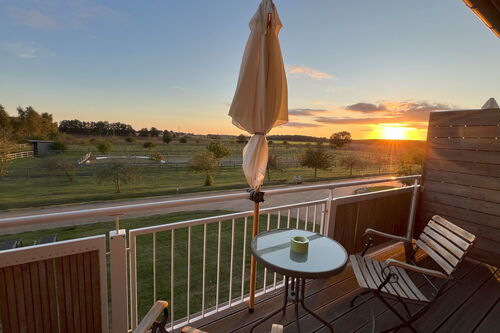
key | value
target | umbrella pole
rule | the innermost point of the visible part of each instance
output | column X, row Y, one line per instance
column 253, row 264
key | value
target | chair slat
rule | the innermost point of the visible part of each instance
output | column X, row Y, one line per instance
column 366, row 273
column 355, row 266
column 456, row 229
column 437, row 258
column 375, row 269
column 463, row 244
column 402, row 284
column 407, row 281
column 439, row 249
column 451, row 247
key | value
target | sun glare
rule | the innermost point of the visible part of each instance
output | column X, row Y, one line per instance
column 394, row 132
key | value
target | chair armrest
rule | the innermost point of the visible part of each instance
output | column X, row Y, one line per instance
column 370, row 231
column 150, row 317
column 426, row 271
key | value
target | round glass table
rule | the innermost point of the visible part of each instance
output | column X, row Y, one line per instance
column 324, row 258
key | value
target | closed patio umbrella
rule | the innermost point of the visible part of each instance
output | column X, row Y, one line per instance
column 260, row 102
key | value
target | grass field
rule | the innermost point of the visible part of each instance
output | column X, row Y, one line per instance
column 28, row 184
column 163, row 257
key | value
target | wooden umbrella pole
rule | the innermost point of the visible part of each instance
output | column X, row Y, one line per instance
column 253, row 264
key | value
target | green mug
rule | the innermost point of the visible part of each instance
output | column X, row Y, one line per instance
column 299, row 244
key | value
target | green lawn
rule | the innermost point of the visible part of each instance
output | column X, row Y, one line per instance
column 163, row 257
column 28, row 184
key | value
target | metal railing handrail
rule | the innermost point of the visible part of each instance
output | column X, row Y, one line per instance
column 132, row 208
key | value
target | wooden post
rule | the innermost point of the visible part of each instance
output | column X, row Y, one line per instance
column 253, row 264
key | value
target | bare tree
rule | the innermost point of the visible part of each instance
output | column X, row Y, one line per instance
column 118, row 173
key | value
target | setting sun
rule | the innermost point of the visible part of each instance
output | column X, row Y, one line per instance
column 395, row 132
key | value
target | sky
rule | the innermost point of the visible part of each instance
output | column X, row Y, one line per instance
column 373, row 68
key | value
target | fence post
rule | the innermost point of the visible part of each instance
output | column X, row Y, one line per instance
column 118, row 268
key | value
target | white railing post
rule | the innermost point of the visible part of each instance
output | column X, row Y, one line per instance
column 328, row 214
column 118, row 268
column 413, row 211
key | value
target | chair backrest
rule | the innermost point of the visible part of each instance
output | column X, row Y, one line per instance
column 445, row 242
column 58, row 287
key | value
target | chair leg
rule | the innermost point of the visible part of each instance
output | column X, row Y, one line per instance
column 351, row 304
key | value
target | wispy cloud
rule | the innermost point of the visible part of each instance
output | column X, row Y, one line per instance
column 27, row 50
column 366, row 107
column 61, row 13
column 295, row 70
column 32, row 18
column 306, row 112
column 410, row 112
column 301, row 125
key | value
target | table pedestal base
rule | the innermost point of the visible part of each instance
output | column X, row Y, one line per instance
column 295, row 293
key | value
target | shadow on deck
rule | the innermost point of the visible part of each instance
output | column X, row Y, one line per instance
column 469, row 305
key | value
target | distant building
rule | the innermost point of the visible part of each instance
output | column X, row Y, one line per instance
column 41, row 147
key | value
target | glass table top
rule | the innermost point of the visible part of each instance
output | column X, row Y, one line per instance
column 325, row 257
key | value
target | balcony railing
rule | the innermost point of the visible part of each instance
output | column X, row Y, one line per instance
column 201, row 266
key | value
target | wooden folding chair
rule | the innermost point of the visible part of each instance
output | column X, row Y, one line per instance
column 446, row 243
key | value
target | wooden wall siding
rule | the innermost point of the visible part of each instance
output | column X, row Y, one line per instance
column 461, row 178
column 388, row 214
column 54, row 295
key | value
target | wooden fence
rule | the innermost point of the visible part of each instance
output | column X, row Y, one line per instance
column 462, row 176
column 21, row 154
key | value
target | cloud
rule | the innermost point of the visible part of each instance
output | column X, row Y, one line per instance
column 366, row 107
column 300, row 125
column 27, row 50
column 32, row 18
column 295, row 70
column 62, row 13
column 305, row 112
column 349, row 120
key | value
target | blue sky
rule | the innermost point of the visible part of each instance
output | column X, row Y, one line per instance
column 352, row 65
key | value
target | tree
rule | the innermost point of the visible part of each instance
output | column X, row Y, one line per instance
column 130, row 139
column 316, row 158
column 144, row 132
column 340, row 139
column 380, row 160
column 167, row 137
column 219, row 150
column 61, row 164
column 105, row 147
column 241, row 138
column 183, row 139
column 118, row 173
column 154, row 132
column 273, row 163
column 5, row 124
column 204, row 161
column 148, row 145
column 6, row 148
column 410, row 164
column 350, row 161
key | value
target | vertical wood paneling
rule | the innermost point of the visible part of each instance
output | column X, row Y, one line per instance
column 35, row 289
column 74, row 292
column 21, row 308
column 81, row 292
column 28, row 294
column 44, row 296
column 4, row 305
column 11, row 298
column 388, row 214
column 91, row 326
column 61, row 298
column 68, row 302
column 52, row 299
column 461, row 177
column 96, row 287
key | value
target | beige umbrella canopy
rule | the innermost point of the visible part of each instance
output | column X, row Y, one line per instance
column 261, row 98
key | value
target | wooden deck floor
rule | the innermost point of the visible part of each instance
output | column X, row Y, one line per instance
column 472, row 305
